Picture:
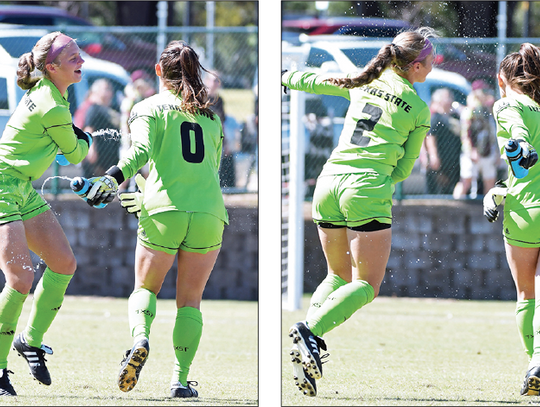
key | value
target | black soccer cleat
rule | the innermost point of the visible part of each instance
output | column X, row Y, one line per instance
column 6, row 389
column 35, row 358
column 132, row 365
column 531, row 385
column 304, row 382
column 309, row 347
column 179, row 390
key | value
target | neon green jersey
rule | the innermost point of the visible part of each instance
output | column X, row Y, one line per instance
column 384, row 128
column 183, row 152
column 40, row 125
column 518, row 117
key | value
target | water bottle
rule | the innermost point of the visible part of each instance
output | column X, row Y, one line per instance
column 61, row 159
column 81, row 186
column 514, row 153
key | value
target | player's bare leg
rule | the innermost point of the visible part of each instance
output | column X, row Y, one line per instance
column 151, row 267
column 525, row 269
column 194, row 270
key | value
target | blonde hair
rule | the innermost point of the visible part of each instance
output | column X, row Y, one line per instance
column 400, row 55
column 36, row 59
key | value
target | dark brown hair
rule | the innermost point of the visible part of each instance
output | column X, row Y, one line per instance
column 181, row 71
column 399, row 55
column 522, row 70
column 35, row 60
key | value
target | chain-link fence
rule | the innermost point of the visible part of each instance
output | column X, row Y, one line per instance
column 119, row 71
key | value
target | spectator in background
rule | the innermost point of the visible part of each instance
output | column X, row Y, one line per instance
column 443, row 144
column 479, row 154
column 227, row 171
column 105, row 150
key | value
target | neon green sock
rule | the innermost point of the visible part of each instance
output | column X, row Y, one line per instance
column 330, row 284
column 524, row 318
column 141, row 313
column 339, row 306
column 187, row 334
column 11, row 305
column 535, row 359
column 48, row 298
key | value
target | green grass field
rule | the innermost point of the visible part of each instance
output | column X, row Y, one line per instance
column 90, row 335
column 413, row 352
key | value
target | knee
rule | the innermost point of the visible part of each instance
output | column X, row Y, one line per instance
column 66, row 266
column 21, row 282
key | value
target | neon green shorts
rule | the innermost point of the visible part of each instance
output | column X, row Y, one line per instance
column 19, row 200
column 353, row 199
column 172, row 230
column 522, row 227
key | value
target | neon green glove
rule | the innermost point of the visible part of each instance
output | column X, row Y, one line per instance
column 132, row 201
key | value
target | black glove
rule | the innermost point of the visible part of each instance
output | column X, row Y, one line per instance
column 284, row 87
column 82, row 135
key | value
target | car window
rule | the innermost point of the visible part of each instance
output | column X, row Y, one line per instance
column 27, row 20
column 318, row 56
column 368, row 31
column 4, row 102
column 360, row 56
column 16, row 46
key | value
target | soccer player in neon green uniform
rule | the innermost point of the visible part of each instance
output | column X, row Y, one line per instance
column 517, row 114
column 181, row 208
column 383, row 132
column 39, row 127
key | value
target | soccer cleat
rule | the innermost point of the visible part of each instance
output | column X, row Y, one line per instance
column 304, row 382
column 531, row 385
column 179, row 390
column 309, row 347
column 132, row 365
column 6, row 389
column 35, row 358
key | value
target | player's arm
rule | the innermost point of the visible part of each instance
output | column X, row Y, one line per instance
column 142, row 128
column 508, row 116
column 59, row 127
column 412, row 147
column 312, row 83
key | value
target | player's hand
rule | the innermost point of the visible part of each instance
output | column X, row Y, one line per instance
column 82, row 135
column 61, row 159
column 131, row 201
column 284, row 87
column 103, row 190
column 530, row 156
column 493, row 199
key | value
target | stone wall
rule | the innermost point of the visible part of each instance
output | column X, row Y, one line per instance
column 443, row 249
column 103, row 241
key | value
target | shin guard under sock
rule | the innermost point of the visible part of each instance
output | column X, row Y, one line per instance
column 142, row 305
column 48, row 298
column 11, row 305
column 187, row 334
column 524, row 319
column 339, row 306
column 330, row 284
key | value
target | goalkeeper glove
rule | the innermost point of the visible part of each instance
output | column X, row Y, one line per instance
column 132, row 201
column 493, row 199
column 530, row 156
column 102, row 190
